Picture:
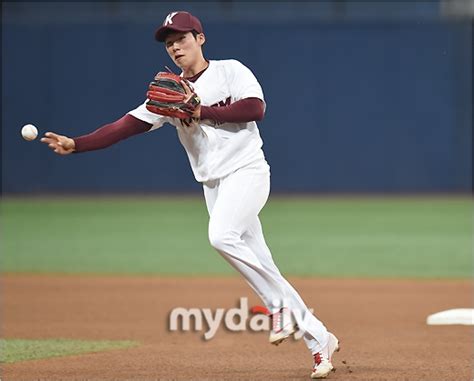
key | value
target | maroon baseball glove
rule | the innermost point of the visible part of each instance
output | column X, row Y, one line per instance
column 167, row 96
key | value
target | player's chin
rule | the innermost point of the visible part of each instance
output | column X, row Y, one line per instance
column 180, row 62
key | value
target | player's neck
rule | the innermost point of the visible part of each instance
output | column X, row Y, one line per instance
column 199, row 66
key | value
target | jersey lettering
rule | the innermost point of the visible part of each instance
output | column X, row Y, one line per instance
column 221, row 148
column 222, row 103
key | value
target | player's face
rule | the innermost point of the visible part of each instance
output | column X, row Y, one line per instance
column 183, row 48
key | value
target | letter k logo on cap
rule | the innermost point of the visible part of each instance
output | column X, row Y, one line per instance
column 169, row 18
column 179, row 21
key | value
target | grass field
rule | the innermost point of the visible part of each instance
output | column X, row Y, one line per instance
column 13, row 350
column 320, row 237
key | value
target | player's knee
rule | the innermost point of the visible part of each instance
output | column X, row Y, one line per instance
column 221, row 240
column 217, row 239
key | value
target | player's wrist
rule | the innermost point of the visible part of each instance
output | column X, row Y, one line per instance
column 197, row 112
column 71, row 144
column 76, row 144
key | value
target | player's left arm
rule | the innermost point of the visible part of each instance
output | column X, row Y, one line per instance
column 247, row 105
column 242, row 111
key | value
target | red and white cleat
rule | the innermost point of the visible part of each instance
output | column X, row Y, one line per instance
column 283, row 326
column 323, row 359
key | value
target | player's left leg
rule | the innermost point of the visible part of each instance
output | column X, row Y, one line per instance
column 321, row 343
column 234, row 203
column 315, row 333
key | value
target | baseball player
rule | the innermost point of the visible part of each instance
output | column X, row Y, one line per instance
column 220, row 135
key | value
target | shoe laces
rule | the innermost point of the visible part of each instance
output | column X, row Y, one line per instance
column 318, row 358
column 276, row 320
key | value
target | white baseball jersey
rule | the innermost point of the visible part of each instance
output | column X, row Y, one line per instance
column 215, row 151
column 234, row 198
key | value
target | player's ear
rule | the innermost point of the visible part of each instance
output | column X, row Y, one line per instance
column 201, row 39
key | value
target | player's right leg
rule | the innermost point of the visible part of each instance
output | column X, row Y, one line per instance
column 232, row 204
column 235, row 232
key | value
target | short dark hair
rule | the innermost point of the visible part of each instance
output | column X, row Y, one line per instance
column 195, row 33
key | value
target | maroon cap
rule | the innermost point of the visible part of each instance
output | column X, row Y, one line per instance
column 178, row 22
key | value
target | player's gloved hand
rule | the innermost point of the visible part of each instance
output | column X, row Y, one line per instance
column 171, row 95
column 188, row 88
column 60, row 144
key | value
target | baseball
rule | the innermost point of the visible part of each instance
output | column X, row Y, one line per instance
column 29, row 132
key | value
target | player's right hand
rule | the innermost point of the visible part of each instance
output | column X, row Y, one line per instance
column 60, row 144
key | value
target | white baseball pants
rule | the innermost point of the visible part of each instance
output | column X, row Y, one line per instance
column 234, row 203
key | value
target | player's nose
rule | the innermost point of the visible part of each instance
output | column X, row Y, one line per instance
column 175, row 46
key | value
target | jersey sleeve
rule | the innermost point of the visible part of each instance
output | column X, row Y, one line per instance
column 154, row 119
column 242, row 82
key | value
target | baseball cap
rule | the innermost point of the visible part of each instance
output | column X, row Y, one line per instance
column 178, row 22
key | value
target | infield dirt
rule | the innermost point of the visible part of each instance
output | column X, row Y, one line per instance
column 380, row 323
